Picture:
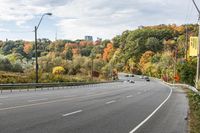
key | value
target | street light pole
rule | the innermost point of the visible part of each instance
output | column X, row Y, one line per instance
column 36, row 57
column 198, row 50
column 36, row 48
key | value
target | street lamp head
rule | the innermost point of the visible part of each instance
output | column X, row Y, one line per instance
column 48, row 13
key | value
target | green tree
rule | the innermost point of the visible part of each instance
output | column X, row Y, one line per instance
column 86, row 51
column 116, row 41
column 187, row 71
column 153, row 44
column 69, row 54
column 5, row 64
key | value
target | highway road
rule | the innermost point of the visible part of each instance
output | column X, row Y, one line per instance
column 119, row 107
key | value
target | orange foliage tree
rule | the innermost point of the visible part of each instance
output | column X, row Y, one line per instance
column 107, row 51
column 27, row 47
column 75, row 51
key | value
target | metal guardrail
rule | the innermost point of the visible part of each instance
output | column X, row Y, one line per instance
column 30, row 86
column 192, row 88
column 186, row 86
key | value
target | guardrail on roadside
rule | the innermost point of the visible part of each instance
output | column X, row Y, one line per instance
column 29, row 86
column 192, row 88
column 186, row 86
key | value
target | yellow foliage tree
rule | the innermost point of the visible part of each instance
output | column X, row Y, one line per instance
column 145, row 61
column 58, row 70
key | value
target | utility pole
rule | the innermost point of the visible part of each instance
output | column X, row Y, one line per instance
column 186, row 44
column 198, row 59
column 198, row 51
column 175, row 61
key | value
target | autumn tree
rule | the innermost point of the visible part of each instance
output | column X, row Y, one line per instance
column 27, row 47
column 75, row 52
column 107, row 51
column 58, row 70
column 146, row 60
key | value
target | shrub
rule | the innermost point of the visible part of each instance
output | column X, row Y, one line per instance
column 5, row 64
column 58, row 70
column 17, row 68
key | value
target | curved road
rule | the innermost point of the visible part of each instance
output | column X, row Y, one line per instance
column 143, row 107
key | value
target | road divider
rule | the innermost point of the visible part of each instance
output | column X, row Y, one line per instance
column 47, row 86
column 60, row 100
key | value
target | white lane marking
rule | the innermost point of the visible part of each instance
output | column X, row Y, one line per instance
column 75, row 112
column 37, row 100
column 113, row 101
column 145, row 120
column 129, row 96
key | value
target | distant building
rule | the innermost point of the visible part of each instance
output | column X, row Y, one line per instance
column 88, row 38
column 140, row 27
column 193, row 46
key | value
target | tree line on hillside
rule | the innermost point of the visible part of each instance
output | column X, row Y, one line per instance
column 150, row 50
column 155, row 51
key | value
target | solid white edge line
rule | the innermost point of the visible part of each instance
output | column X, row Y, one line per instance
column 113, row 101
column 145, row 120
column 75, row 112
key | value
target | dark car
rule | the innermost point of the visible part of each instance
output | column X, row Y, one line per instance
column 147, row 78
column 126, row 75
column 131, row 81
column 132, row 75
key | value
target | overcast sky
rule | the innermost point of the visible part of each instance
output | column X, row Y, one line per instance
column 73, row 19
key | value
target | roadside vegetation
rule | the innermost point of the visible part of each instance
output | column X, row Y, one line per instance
column 150, row 50
column 194, row 115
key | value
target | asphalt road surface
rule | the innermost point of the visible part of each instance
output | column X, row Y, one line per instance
column 120, row 107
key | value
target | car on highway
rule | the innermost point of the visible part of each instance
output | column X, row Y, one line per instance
column 141, row 77
column 126, row 75
column 147, row 78
column 131, row 81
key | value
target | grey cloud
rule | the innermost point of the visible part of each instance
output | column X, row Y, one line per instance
column 97, row 16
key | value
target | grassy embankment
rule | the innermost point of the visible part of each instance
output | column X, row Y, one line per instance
column 194, row 115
